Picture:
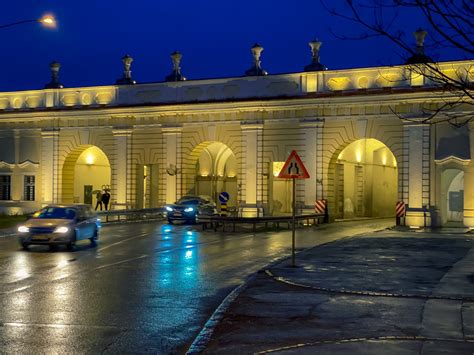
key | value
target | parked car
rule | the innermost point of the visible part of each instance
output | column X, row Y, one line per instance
column 60, row 224
column 189, row 208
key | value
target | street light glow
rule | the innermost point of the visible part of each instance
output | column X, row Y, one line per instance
column 48, row 20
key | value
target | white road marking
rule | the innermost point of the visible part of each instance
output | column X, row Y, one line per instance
column 59, row 326
column 121, row 262
column 121, row 242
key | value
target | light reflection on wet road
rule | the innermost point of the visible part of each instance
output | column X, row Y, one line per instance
column 146, row 288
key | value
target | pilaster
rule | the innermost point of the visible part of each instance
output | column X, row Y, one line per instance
column 313, row 139
column 49, row 166
column 416, row 173
column 121, row 174
column 17, row 182
column 469, row 183
column 252, row 165
column 173, row 163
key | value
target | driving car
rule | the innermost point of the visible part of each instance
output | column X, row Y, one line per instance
column 60, row 224
column 189, row 208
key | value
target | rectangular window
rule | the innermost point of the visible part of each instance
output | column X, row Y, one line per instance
column 29, row 188
column 5, row 187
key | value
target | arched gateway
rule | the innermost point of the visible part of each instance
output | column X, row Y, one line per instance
column 211, row 168
column 365, row 180
column 86, row 170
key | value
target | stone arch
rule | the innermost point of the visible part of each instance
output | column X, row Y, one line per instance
column 210, row 167
column 94, row 170
column 364, row 176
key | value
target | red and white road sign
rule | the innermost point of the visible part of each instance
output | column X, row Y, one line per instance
column 320, row 206
column 294, row 168
column 400, row 209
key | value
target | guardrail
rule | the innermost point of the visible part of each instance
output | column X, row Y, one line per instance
column 130, row 215
column 215, row 221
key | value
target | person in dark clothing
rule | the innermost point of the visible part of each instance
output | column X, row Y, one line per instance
column 106, row 199
column 98, row 196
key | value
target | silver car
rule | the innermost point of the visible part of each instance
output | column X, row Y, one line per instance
column 60, row 224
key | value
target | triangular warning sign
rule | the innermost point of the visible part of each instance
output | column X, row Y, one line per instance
column 294, row 168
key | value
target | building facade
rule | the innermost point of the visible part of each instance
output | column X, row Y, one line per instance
column 361, row 133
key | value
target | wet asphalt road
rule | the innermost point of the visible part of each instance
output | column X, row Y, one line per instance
column 146, row 288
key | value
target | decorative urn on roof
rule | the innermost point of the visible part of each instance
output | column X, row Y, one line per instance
column 127, row 73
column 256, row 69
column 176, row 73
column 419, row 57
column 315, row 64
column 54, row 83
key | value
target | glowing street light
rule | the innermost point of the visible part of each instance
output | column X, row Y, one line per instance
column 46, row 20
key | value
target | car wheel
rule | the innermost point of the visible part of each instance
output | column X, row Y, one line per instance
column 94, row 237
column 72, row 243
column 25, row 245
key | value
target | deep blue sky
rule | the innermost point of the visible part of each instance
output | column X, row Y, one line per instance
column 214, row 36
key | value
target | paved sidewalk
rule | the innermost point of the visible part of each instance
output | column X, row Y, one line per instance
column 391, row 292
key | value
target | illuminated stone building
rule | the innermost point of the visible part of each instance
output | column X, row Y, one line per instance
column 152, row 143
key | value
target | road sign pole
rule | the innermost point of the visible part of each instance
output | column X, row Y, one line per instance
column 293, row 169
column 294, row 225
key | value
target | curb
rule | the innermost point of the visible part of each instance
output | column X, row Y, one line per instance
column 285, row 281
column 359, row 340
column 202, row 339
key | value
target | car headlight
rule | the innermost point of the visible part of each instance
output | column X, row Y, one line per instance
column 61, row 230
column 23, row 229
column 188, row 209
column 169, row 209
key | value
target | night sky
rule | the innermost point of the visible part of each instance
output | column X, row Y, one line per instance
column 214, row 36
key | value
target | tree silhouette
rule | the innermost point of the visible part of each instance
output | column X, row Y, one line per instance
column 450, row 25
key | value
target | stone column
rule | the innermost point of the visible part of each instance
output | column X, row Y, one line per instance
column 173, row 166
column 469, row 183
column 252, row 164
column 121, row 168
column 313, row 161
column 17, row 178
column 416, row 173
column 49, row 166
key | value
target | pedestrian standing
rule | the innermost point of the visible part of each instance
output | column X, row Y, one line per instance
column 99, row 197
column 106, row 199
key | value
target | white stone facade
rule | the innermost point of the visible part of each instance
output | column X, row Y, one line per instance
column 158, row 138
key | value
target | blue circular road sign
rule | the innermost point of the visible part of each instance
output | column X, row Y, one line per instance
column 224, row 197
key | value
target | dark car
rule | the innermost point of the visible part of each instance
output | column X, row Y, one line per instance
column 189, row 208
column 60, row 224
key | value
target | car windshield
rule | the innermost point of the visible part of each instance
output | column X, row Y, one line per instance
column 189, row 201
column 55, row 213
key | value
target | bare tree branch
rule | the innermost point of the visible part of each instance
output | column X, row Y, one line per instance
column 451, row 25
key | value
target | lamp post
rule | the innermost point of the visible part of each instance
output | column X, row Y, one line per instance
column 46, row 20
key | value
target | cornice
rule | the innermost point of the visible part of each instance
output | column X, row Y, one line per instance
column 24, row 164
column 453, row 160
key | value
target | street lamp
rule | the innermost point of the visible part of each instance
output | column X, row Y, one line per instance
column 46, row 20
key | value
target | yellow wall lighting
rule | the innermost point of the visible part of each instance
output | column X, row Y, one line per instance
column 90, row 159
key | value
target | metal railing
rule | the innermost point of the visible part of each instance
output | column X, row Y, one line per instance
column 216, row 221
column 130, row 215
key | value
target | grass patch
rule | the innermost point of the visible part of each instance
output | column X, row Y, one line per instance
column 11, row 221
